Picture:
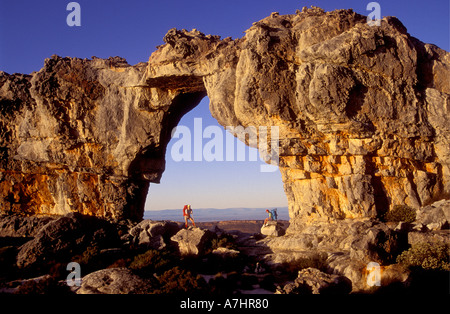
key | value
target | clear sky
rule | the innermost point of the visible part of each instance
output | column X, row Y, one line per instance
column 31, row 31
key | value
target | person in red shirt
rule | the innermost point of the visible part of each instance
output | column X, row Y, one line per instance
column 187, row 212
column 270, row 218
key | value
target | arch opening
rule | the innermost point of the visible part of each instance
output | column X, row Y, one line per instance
column 207, row 167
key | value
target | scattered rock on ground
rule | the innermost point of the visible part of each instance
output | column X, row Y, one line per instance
column 225, row 252
column 430, row 236
column 192, row 240
column 111, row 281
column 153, row 234
column 435, row 216
column 363, row 239
column 312, row 280
column 65, row 237
column 22, row 226
column 273, row 229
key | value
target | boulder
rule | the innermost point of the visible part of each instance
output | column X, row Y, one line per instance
column 312, row 280
column 394, row 274
column 153, row 234
column 112, row 281
column 193, row 241
column 22, row 286
column 435, row 216
column 340, row 263
column 22, row 226
column 363, row 239
column 225, row 252
column 430, row 236
column 272, row 228
column 61, row 239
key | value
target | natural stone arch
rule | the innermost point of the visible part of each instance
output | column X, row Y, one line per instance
column 355, row 133
column 85, row 136
column 362, row 112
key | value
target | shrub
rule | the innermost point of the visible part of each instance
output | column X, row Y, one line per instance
column 401, row 213
column 221, row 285
column 180, row 281
column 151, row 261
column 90, row 260
column 427, row 255
column 47, row 284
column 317, row 260
column 225, row 240
column 88, row 256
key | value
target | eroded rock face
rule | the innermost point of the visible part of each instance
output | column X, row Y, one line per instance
column 66, row 237
column 273, row 229
column 363, row 117
column 153, row 234
column 111, row 281
column 84, row 136
column 313, row 281
column 362, row 111
column 193, row 241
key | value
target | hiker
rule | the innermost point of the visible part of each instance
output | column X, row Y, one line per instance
column 273, row 215
column 270, row 218
column 187, row 212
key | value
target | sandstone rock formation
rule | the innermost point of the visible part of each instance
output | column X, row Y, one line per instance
column 19, row 226
column 313, row 281
column 66, row 237
column 273, row 229
column 111, row 281
column 84, row 136
column 153, row 234
column 435, row 216
column 362, row 111
column 193, row 241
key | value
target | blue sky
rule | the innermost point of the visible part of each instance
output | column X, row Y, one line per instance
column 31, row 31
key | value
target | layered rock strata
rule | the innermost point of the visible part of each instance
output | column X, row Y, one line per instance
column 362, row 115
column 84, row 136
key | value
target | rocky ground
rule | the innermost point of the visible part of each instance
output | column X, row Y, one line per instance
column 245, row 226
column 162, row 257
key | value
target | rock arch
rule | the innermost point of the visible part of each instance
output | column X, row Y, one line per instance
column 362, row 113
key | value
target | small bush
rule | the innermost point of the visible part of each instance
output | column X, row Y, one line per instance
column 45, row 285
column 429, row 256
column 151, row 261
column 90, row 260
column 226, row 241
column 401, row 213
column 121, row 262
column 179, row 281
column 88, row 256
column 221, row 285
column 317, row 260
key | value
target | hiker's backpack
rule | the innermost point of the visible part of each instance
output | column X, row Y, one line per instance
column 274, row 214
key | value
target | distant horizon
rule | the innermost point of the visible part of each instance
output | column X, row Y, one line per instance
column 214, row 208
column 216, row 214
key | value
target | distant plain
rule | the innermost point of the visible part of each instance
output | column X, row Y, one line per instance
column 214, row 214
